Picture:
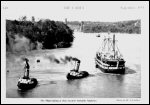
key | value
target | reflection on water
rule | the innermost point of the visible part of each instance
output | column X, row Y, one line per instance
column 23, row 93
column 52, row 77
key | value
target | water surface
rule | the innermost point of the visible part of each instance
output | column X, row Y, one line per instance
column 52, row 75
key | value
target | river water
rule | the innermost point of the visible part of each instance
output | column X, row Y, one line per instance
column 52, row 76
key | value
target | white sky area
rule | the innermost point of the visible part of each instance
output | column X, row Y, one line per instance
column 91, row 11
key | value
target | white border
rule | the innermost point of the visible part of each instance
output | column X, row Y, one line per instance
column 144, row 61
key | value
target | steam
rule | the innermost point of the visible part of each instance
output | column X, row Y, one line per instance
column 19, row 43
column 60, row 60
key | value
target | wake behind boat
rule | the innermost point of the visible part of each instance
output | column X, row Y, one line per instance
column 109, row 59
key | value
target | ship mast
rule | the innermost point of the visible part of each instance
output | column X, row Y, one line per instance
column 114, row 45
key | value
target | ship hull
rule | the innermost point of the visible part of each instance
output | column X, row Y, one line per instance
column 114, row 70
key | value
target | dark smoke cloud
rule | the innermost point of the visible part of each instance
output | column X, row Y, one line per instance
column 61, row 60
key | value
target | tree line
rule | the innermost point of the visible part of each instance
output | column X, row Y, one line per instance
column 50, row 33
column 131, row 27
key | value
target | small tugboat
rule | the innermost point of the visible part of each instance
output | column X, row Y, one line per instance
column 75, row 73
column 109, row 59
column 25, row 82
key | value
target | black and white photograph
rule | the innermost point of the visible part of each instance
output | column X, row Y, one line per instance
column 75, row 52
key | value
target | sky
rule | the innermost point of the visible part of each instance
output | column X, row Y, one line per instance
column 108, row 11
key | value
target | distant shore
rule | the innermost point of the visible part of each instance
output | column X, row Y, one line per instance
column 130, row 27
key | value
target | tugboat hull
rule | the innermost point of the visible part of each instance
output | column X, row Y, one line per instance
column 25, row 84
column 77, row 75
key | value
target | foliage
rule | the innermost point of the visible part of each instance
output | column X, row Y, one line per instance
column 132, row 26
column 49, row 33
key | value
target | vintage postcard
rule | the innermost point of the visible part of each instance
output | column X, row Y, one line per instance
column 70, row 52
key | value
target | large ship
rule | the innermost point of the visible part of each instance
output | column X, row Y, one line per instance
column 108, row 58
